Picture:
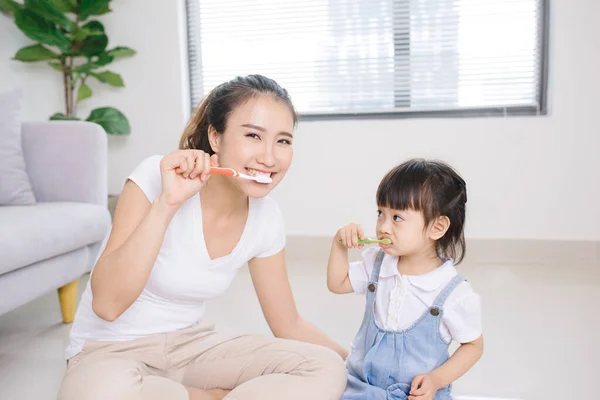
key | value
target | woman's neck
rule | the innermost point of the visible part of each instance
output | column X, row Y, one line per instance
column 220, row 196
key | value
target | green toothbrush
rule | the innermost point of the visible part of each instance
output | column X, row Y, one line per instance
column 371, row 241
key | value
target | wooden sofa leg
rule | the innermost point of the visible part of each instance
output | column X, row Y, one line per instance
column 68, row 300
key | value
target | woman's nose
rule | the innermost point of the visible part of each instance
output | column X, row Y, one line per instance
column 267, row 156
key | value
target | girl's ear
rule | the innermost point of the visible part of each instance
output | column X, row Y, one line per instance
column 439, row 227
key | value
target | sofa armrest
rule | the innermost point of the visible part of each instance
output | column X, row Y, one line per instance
column 66, row 161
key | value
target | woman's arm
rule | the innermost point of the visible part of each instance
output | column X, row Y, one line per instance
column 270, row 279
column 123, row 269
column 139, row 228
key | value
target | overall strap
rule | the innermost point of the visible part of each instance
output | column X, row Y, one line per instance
column 368, row 317
column 372, row 287
column 441, row 298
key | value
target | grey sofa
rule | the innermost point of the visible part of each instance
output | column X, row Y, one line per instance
column 50, row 244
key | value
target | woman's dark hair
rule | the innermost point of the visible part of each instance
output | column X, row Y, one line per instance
column 221, row 101
column 434, row 188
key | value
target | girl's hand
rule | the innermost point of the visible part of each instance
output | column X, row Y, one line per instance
column 183, row 173
column 349, row 236
column 422, row 388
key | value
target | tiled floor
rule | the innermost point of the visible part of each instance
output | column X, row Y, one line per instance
column 541, row 331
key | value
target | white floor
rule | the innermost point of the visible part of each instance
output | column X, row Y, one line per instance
column 542, row 329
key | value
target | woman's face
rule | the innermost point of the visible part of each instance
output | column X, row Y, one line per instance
column 257, row 140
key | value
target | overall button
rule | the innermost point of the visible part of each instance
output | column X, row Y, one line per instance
column 371, row 287
column 435, row 311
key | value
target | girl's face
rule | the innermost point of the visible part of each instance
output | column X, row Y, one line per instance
column 406, row 230
column 257, row 140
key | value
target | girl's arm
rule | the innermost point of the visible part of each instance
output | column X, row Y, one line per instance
column 270, row 279
column 461, row 361
column 338, row 280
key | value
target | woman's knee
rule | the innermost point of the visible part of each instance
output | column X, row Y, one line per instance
column 326, row 365
column 102, row 379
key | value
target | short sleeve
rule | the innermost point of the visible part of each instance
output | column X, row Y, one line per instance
column 147, row 176
column 360, row 271
column 463, row 318
column 271, row 219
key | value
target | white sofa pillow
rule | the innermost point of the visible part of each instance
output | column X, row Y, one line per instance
column 15, row 188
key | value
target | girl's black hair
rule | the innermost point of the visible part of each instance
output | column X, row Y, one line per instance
column 434, row 188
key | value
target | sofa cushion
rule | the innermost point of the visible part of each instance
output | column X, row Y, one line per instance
column 15, row 188
column 33, row 233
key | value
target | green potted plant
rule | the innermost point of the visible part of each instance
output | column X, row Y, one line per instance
column 76, row 46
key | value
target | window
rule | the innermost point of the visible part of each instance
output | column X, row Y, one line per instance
column 340, row 58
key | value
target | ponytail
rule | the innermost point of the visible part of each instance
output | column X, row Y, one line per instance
column 195, row 134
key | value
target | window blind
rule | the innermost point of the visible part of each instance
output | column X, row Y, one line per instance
column 377, row 57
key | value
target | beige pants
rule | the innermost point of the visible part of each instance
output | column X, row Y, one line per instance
column 159, row 367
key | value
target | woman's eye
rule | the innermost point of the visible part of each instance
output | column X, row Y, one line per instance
column 285, row 141
column 253, row 135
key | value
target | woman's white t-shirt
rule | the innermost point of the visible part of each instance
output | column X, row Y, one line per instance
column 184, row 277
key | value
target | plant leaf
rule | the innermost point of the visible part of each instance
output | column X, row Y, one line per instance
column 62, row 117
column 65, row 5
column 103, row 59
column 94, row 26
column 121, row 52
column 109, row 77
column 93, row 45
column 112, row 120
column 84, row 92
column 9, row 6
column 96, row 62
column 37, row 52
column 51, row 12
column 41, row 30
column 85, row 68
column 93, row 7
column 56, row 66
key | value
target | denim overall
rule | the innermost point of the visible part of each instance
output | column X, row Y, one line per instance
column 383, row 364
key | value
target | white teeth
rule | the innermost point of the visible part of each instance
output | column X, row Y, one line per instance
column 254, row 172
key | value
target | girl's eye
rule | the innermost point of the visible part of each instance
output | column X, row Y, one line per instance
column 253, row 135
column 397, row 218
column 379, row 214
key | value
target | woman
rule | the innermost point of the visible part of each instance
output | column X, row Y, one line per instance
column 179, row 236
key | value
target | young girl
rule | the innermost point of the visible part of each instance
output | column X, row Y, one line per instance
column 416, row 302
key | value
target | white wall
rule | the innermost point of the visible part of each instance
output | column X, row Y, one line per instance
column 532, row 177
column 154, row 98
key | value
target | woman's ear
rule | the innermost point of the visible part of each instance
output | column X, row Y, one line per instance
column 439, row 227
column 214, row 139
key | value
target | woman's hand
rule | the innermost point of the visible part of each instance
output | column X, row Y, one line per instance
column 183, row 173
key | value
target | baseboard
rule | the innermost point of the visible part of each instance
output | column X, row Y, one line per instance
column 479, row 251
column 479, row 398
